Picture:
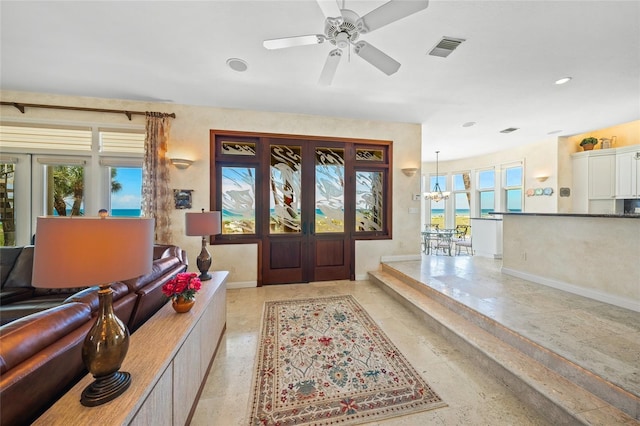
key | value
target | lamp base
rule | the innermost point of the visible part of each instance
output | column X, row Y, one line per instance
column 105, row 389
column 204, row 262
column 204, row 276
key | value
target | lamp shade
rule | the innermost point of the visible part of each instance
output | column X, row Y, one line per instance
column 86, row 251
column 201, row 224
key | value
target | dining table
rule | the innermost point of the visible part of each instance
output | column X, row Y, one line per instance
column 438, row 239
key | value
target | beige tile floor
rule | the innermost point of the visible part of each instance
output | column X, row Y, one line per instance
column 474, row 397
column 602, row 338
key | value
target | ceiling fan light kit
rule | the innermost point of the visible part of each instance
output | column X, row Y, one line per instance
column 342, row 29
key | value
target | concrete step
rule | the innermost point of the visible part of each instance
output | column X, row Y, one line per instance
column 513, row 359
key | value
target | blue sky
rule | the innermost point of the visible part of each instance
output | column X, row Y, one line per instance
column 129, row 196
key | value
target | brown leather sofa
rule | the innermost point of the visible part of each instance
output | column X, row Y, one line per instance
column 40, row 353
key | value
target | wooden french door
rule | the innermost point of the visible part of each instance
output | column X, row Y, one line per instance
column 306, row 199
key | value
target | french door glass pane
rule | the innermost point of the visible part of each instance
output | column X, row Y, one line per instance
column 65, row 190
column 437, row 213
column 286, row 178
column 238, row 200
column 441, row 180
column 329, row 190
column 369, row 201
column 7, row 205
column 462, row 208
column 126, row 191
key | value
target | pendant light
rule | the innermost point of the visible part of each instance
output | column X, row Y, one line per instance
column 437, row 194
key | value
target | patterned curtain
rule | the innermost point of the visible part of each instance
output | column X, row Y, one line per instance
column 156, row 196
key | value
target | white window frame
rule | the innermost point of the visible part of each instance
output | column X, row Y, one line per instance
column 506, row 187
column 480, row 190
column 31, row 167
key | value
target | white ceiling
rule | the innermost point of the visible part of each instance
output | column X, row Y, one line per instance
column 501, row 76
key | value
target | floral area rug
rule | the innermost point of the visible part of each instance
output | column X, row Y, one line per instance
column 324, row 361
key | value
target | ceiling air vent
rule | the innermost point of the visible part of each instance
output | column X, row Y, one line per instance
column 509, row 130
column 446, row 46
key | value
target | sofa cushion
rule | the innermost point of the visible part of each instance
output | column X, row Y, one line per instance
column 8, row 256
column 90, row 295
column 25, row 337
column 31, row 305
column 15, row 294
column 160, row 267
column 123, row 300
column 60, row 293
column 20, row 274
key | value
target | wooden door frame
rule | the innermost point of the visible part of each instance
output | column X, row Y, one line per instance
column 259, row 137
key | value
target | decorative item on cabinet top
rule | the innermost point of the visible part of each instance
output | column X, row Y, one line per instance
column 608, row 142
column 588, row 144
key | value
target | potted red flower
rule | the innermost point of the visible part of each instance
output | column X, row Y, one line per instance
column 182, row 290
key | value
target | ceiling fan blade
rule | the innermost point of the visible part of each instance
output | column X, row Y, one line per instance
column 330, row 8
column 390, row 12
column 376, row 57
column 330, row 67
column 281, row 43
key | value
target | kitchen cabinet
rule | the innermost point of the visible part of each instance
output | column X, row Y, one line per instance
column 594, row 182
column 602, row 172
column 628, row 172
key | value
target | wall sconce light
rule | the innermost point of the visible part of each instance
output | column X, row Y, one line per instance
column 181, row 163
column 541, row 178
column 410, row 171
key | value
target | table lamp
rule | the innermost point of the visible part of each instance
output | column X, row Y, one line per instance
column 203, row 224
column 87, row 251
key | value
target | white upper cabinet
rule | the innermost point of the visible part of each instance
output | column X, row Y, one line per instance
column 602, row 172
column 628, row 172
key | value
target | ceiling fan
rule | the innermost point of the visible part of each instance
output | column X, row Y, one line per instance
column 342, row 28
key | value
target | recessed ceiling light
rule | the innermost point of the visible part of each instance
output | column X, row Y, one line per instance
column 553, row 132
column 469, row 124
column 237, row 64
column 509, row 130
column 563, row 80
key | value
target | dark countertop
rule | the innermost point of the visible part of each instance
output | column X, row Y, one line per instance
column 615, row 216
column 487, row 218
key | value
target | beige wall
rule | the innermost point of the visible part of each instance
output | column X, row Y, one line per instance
column 540, row 159
column 550, row 157
column 190, row 139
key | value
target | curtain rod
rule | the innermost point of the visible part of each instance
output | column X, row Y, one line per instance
column 21, row 106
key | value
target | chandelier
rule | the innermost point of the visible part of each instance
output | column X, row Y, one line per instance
column 437, row 194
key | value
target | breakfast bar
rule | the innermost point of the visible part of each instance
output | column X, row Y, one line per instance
column 593, row 255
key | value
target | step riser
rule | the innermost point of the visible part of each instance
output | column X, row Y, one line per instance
column 530, row 396
column 593, row 383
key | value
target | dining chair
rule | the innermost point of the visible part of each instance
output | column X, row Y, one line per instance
column 467, row 243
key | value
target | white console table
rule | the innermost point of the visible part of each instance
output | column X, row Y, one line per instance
column 168, row 358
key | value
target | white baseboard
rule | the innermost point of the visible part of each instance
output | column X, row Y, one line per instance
column 571, row 288
column 488, row 254
column 242, row 284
